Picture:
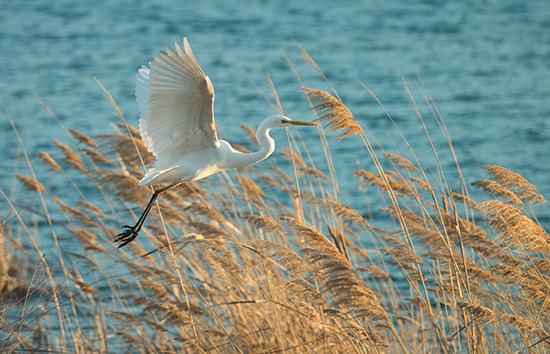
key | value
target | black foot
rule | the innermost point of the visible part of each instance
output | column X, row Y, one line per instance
column 127, row 235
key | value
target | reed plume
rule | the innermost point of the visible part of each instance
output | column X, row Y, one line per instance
column 31, row 184
column 82, row 138
column 50, row 162
column 513, row 181
column 71, row 158
column 333, row 113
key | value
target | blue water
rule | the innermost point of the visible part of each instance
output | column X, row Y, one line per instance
column 485, row 63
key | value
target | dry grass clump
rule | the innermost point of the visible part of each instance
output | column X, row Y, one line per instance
column 271, row 259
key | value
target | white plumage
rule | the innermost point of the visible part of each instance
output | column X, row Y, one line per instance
column 177, row 120
column 176, row 101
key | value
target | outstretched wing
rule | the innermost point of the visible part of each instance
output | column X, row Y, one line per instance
column 176, row 101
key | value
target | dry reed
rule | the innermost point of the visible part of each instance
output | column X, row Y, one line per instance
column 257, row 261
column 333, row 113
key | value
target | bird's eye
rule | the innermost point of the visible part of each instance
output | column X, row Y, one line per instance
column 284, row 121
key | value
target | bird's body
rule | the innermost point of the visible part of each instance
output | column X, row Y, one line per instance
column 176, row 123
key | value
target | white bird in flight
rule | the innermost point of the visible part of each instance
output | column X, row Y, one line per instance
column 176, row 101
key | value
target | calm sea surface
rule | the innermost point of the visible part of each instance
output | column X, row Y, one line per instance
column 486, row 65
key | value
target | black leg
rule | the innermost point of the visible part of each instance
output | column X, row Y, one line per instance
column 131, row 232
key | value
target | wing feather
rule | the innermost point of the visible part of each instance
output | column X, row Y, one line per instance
column 176, row 101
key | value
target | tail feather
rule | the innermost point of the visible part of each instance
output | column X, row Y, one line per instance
column 153, row 177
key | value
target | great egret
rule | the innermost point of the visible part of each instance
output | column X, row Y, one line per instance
column 176, row 123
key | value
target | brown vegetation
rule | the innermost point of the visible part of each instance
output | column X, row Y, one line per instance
column 257, row 261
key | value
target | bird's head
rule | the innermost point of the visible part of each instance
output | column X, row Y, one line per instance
column 275, row 122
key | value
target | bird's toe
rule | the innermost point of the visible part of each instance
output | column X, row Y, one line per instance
column 127, row 235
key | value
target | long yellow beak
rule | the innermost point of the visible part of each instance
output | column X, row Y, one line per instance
column 295, row 122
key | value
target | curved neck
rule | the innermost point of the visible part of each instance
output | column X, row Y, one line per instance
column 267, row 143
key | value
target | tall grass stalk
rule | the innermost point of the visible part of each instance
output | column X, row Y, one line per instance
column 269, row 258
